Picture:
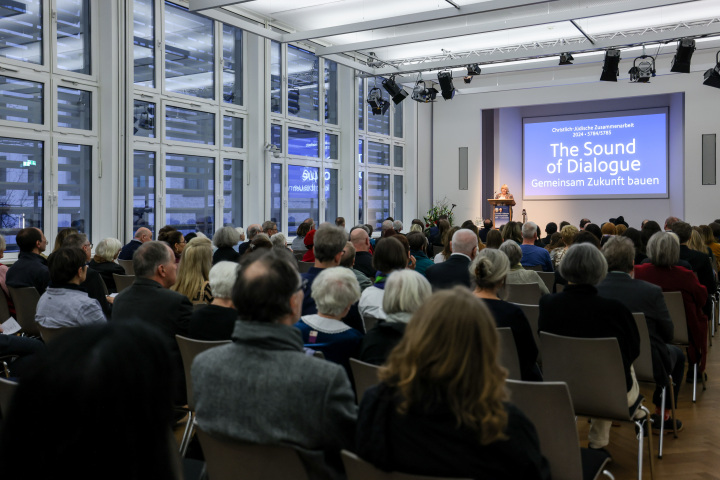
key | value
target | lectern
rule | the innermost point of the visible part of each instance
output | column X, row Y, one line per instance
column 502, row 211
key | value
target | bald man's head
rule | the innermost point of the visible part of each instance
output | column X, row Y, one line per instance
column 360, row 240
column 143, row 234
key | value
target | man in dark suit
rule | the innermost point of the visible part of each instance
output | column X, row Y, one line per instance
column 142, row 235
column 700, row 262
column 644, row 297
column 30, row 269
column 454, row 270
column 363, row 258
column 150, row 301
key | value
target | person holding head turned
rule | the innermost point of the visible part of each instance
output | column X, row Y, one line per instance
column 142, row 235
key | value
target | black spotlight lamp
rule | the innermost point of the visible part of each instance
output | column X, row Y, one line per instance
column 378, row 104
column 681, row 60
column 472, row 70
column 446, row 84
column 566, row 59
column 642, row 71
column 397, row 93
column 712, row 76
column 610, row 67
column 423, row 94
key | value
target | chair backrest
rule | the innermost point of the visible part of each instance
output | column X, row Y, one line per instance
column 536, row 268
column 4, row 308
column 508, row 356
column 7, row 390
column 676, row 307
column 231, row 460
column 128, row 266
column 593, row 371
column 643, row 364
column 189, row 349
column 358, row 469
column 303, row 267
column 123, row 281
column 548, row 278
column 527, row 293
column 50, row 334
column 369, row 322
column 549, row 407
column 532, row 313
column 25, row 300
column 365, row 376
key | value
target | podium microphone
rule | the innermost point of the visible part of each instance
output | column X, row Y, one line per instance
column 524, row 215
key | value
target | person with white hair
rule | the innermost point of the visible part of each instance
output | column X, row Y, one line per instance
column 106, row 252
column 217, row 320
column 517, row 273
column 397, row 226
column 334, row 290
column 533, row 255
column 454, row 270
column 279, row 241
column 405, row 292
column 225, row 239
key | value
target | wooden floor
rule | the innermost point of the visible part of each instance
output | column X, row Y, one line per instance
column 695, row 454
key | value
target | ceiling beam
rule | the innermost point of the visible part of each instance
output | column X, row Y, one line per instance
column 199, row 5
column 348, row 62
column 409, row 19
column 554, row 17
column 224, row 16
column 506, row 56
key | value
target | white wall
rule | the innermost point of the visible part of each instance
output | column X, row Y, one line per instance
column 574, row 89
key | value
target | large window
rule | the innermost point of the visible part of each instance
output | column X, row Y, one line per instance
column 21, row 31
column 189, row 125
column 378, row 199
column 232, row 190
column 190, row 193
column 143, row 200
column 21, row 100
column 303, row 84
column 74, row 187
column 232, row 65
column 303, row 195
column 73, row 33
column 144, row 42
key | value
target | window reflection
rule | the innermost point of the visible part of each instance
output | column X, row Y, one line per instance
column 74, row 187
column 190, row 193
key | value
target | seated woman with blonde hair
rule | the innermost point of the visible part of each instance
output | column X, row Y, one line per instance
column 441, row 408
column 194, row 271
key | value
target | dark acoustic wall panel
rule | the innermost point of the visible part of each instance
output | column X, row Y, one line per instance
column 463, row 158
column 708, row 159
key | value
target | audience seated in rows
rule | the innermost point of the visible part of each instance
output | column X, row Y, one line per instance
column 517, row 274
column 643, row 297
column 252, row 403
column 446, row 250
column 533, row 255
column 334, row 291
column 93, row 283
column 150, row 301
column 699, row 261
column 389, row 257
column 225, row 239
column 328, row 246
column 348, row 261
column 95, row 404
column 194, row 270
column 309, row 241
column 489, row 271
column 217, row 320
column 106, row 252
column 578, row 311
column 142, row 235
column 405, row 291
column 454, row 270
column 65, row 304
column 441, row 407
column 30, row 269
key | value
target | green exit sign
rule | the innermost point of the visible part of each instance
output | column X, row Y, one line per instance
column 29, row 163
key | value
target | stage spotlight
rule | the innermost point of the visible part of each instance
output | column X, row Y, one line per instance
column 712, row 76
column 446, row 84
column 397, row 93
column 610, row 67
column 681, row 60
column 376, row 101
column 472, row 70
column 423, row 94
column 641, row 72
column 565, row 58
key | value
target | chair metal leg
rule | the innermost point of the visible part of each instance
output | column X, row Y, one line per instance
column 694, row 382
column 608, row 474
column 640, row 446
column 648, row 420
column 672, row 406
column 662, row 423
column 185, row 438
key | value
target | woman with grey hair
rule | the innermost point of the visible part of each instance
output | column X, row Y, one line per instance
column 106, row 252
column 225, row 239
column 405, row 292
column 334, row 290
column 517, row 273
column 489, row 270
column 578, row 311
column 216, row 321
column 663, row 250
column 279, row 241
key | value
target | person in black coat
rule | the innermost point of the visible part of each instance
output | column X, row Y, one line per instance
column 454, row 270
column 30, row 269
column 225, row 239
column 440, row 408
column 104, row 262
column 217, row 320
column 644, row 297
column 149, row 300
column 578, row 311
column 489, row 270
column 363, row 258
column 699, row 262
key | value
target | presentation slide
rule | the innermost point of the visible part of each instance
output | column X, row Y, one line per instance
column 599, row 155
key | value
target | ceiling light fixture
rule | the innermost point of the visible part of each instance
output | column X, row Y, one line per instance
column 446, row 84
column 423, row 94
column 681, row 60
column 566, row 58
column 397, row 93
column 373, row 61
column 712, row 76
column 472, row 70
column 378, row 104
column 610, row 67
column 641, row 72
